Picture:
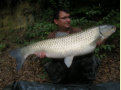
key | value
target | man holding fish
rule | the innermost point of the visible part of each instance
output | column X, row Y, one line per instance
column 62, row 20
column 79, row 63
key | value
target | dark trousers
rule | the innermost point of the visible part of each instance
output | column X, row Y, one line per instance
column 82, row 70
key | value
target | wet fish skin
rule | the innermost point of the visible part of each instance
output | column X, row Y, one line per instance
column 67, row 47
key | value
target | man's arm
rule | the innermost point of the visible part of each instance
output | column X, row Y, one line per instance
column 76, row 29
column 99, row 42
column 51, row 35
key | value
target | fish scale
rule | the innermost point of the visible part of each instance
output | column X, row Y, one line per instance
column 66, row 47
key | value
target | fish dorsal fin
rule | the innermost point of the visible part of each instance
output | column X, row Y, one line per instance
column 68, row 61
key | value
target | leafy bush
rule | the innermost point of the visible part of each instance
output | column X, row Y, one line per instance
column 104, row 47
column 2, row 46
column 37, row 32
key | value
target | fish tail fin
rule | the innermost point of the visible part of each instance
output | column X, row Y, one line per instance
column 19, row 56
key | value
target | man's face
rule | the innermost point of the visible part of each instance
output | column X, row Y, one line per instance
column 63, row 20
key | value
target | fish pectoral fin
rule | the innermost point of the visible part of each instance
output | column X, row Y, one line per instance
column 68, row 61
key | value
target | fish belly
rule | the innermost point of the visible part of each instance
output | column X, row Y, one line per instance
column 70, row 52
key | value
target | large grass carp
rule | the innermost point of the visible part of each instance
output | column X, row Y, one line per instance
column 66, row 47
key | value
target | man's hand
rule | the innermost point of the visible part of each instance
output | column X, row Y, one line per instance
column 99, row 42
column 41, row 55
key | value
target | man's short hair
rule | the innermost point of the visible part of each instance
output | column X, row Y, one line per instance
column 56, row 13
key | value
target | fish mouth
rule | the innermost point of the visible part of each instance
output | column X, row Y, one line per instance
column 113, row 28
